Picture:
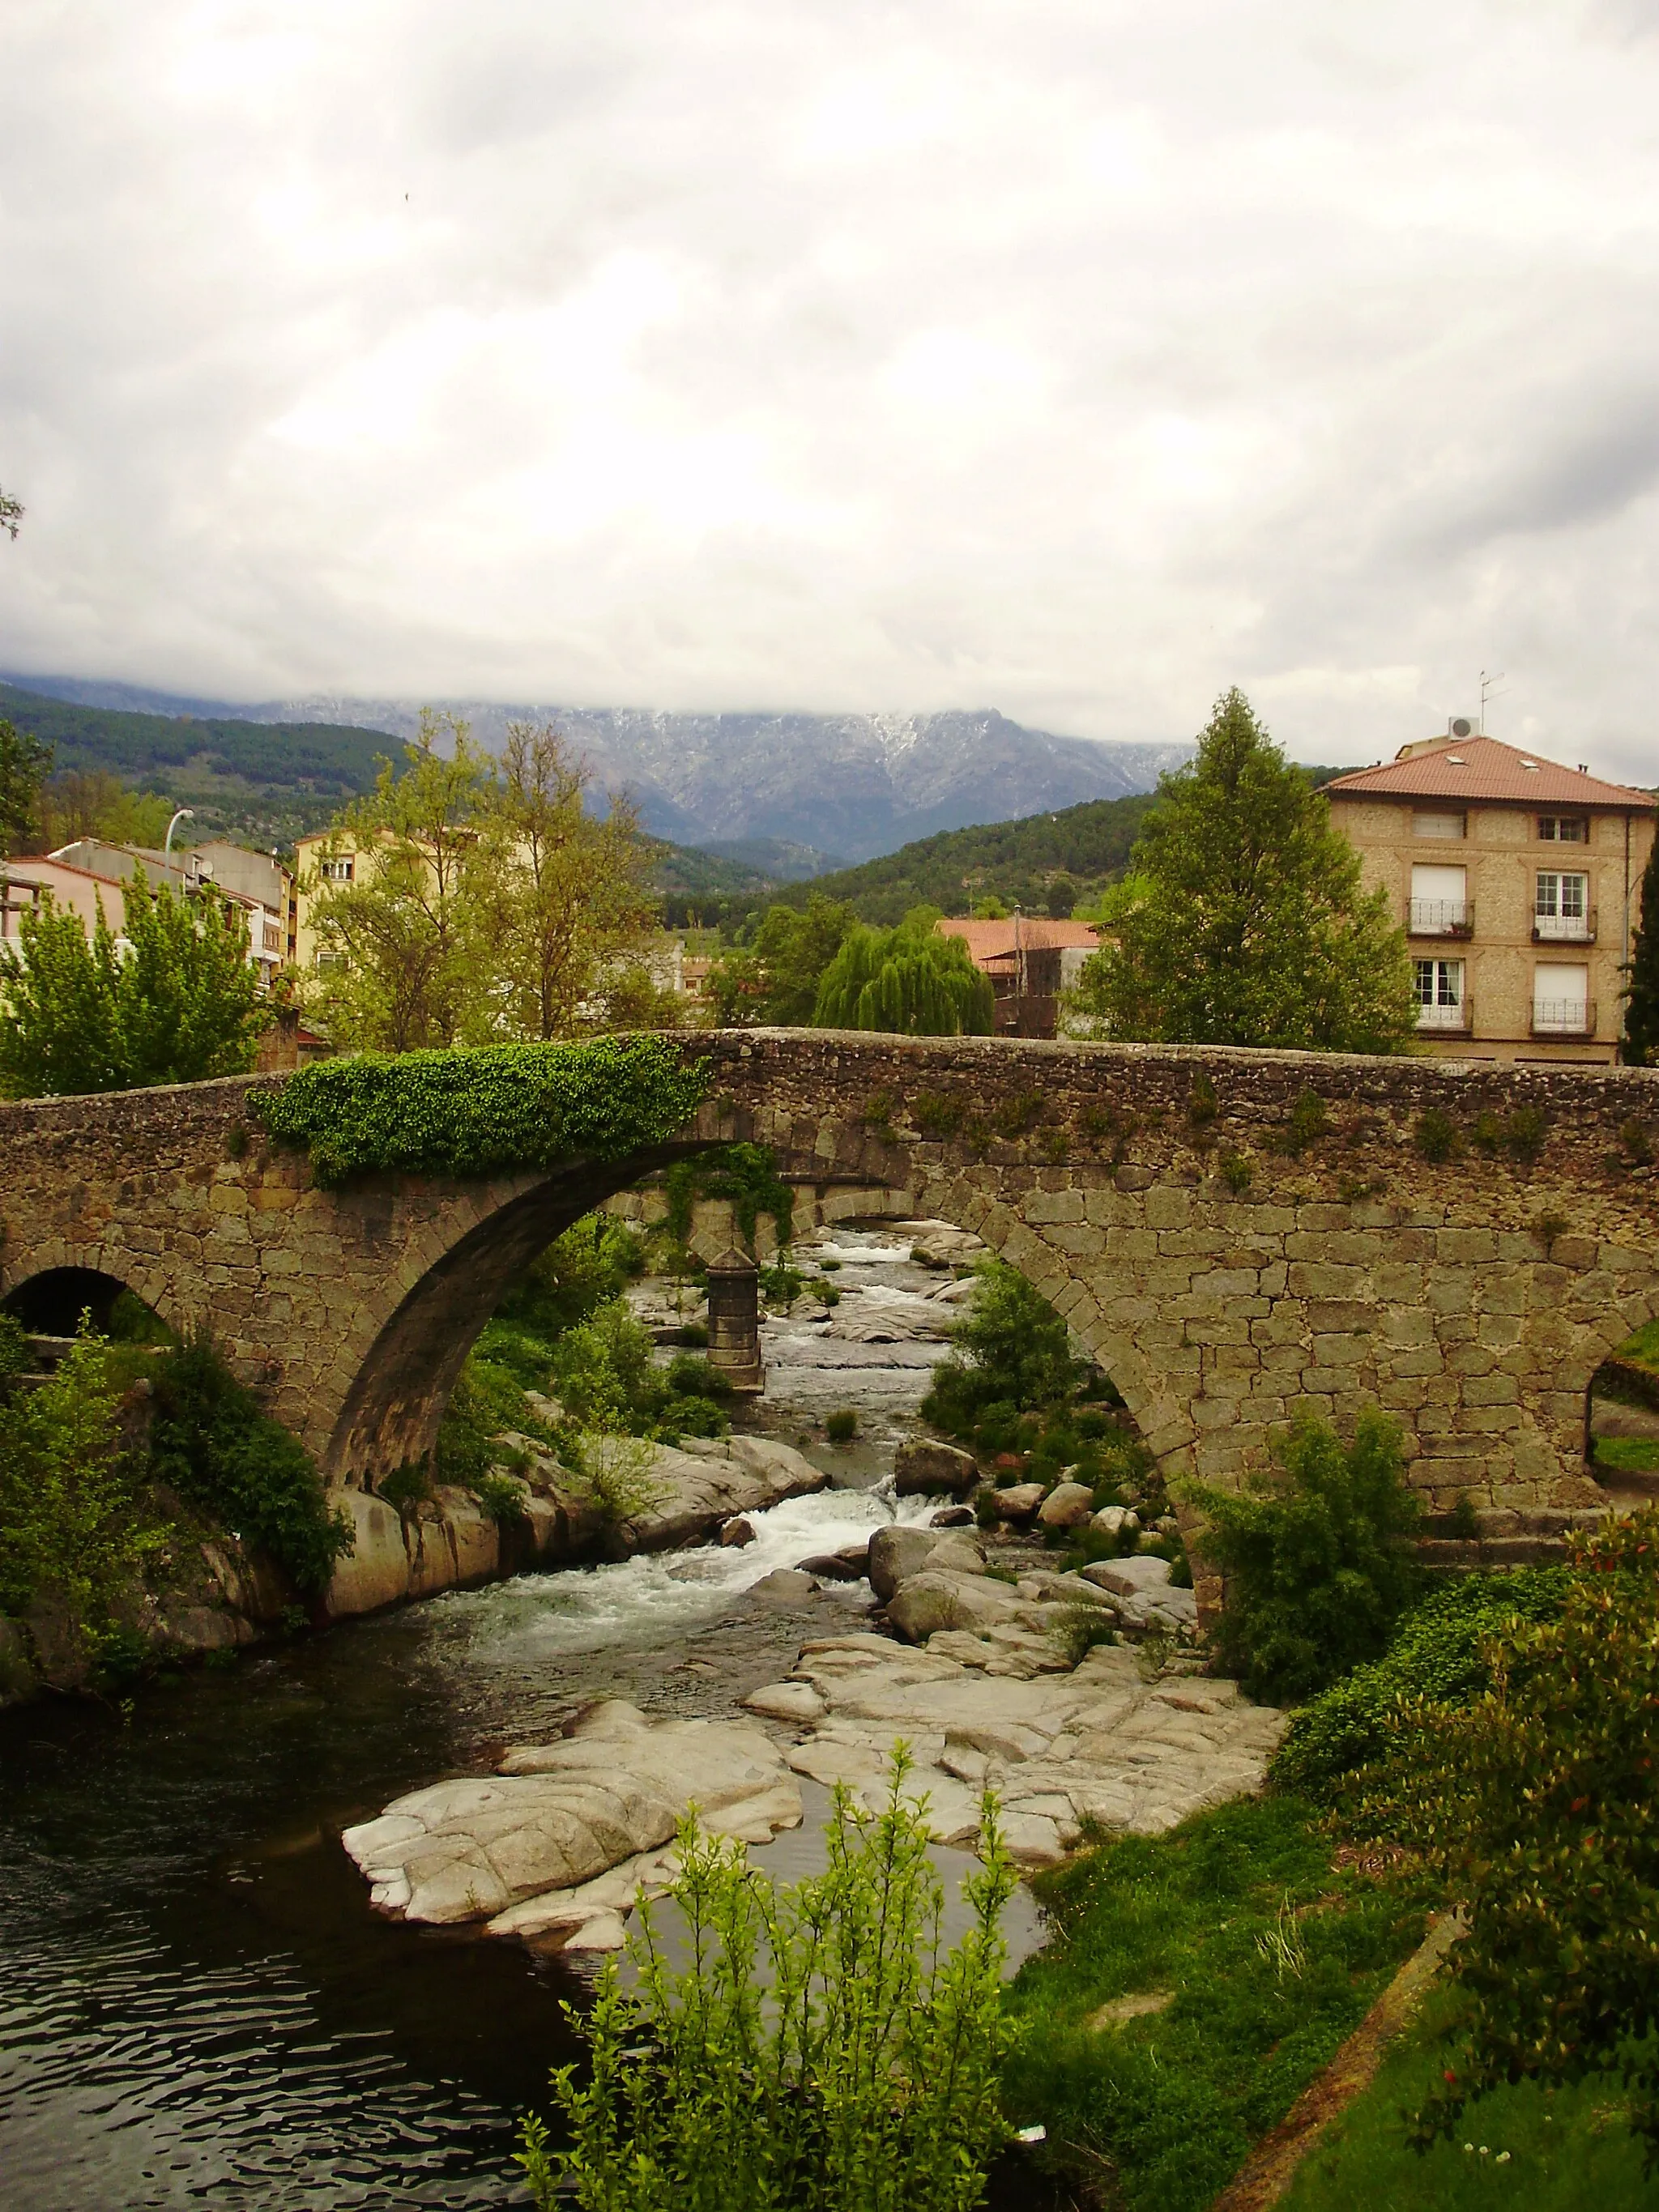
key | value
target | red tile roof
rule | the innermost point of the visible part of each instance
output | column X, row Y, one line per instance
column 995, row 940
column 1482, row 769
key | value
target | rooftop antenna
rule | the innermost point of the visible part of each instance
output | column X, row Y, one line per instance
column 1489, row 689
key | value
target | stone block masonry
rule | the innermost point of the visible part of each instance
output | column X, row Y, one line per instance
column 1222, row 1280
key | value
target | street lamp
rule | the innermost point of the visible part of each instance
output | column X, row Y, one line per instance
column 184, row 814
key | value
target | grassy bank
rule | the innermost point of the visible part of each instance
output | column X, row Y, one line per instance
column 1261, row 1955
column 1562, row 2150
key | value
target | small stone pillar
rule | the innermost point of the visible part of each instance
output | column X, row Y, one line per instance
column 734, row 1319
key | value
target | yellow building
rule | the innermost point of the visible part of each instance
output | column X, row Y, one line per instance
column 1519, row 885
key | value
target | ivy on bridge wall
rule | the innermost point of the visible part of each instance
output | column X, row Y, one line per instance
column 485, row 1112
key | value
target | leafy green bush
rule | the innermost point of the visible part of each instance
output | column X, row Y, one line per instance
column 488, row 1397
column 502, row 1498
column 1437, row 1653
column 587, row 1266
column 1535, row 1806
column 689, row 1377
column 212, row 1443
column 1317, row 1564
column 818, row 2053
column 473, row 1113
column 1010, row 1350
column 605, row 1366
column 73, row 1524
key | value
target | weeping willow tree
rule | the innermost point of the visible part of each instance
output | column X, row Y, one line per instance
column 909, row 980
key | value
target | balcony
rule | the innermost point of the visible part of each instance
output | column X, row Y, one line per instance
column 1562, row 1017
column 1440, row 918
column 1564, row 928
column 1456, row 1020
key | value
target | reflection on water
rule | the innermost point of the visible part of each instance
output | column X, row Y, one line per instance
column 197, row 2007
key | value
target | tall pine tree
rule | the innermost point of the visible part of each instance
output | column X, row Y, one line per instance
column 1246, row 923
column 1642, row 1006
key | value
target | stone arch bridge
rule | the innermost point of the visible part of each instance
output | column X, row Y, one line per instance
column 1232, row 1234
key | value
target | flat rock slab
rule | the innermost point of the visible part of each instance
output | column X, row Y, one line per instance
column 1102, row 1743
column 562, row 1836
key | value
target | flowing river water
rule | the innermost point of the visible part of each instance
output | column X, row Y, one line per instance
column 197, row 2005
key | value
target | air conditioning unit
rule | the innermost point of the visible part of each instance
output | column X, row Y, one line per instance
column 1463, row 726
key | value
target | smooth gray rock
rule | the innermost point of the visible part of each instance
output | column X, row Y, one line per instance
column 894, row 1553
column 1067, row 1506
column 925, row 1465
column 829, row 1567
column 952, row 1516
column 1018, row 1502
column 1113, row 1520
column 785, row 1583
column 1132, row 1577
column 929, row 1602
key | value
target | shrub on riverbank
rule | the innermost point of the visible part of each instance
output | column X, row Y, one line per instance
column 820, row 2051
column 1439, row 1652
column 75, row 1532
column 211, row 1443
column 1534, row 1806
column 1317, row 1562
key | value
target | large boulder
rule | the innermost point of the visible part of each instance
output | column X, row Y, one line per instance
column 700, row 1484
column 1112, row 1519
column 931, row 1600
column 936, row 1244
column 1067, row 1506
column 1018, row 1502
column 897, row 1553
column 1132, row 1578
column 556, row 1816
column 925, row 1464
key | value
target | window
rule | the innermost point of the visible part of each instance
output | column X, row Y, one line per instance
column 1439, row 905
column 1437, row 987
column 1436, row 825
column 331, row 962
column 335, row 871
column 1563, row 829
column 1560, row 906
column 1560, row 1001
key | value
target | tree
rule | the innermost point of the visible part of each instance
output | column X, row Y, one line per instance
column 402, row 954
column 1642, row 1006
column 176, row 1000
column 25, row 763
column 1536, row 1807
column 569, row 896
column 909, row 980
column 1252, row 927
column 93, row 803
column 776, row 979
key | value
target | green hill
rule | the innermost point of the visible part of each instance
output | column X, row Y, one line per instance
column 267, row 782
column 1028, row 864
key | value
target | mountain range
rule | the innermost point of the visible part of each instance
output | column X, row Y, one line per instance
column 834, row 787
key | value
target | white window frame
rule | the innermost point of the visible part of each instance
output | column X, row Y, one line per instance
column 1437, row 987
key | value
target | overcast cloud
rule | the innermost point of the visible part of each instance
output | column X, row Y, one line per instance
column 1075, row 357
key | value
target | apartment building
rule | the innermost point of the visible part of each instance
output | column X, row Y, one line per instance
column 92, row 872
column 1518, row 884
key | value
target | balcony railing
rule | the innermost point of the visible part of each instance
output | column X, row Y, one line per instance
column 1459, row 1018
column 1562, row 1017
column 1564, row 928
column 1440, row 918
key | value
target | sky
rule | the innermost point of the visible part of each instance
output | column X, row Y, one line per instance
column 1075, row 357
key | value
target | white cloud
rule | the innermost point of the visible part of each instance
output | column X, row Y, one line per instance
column 1078, row 358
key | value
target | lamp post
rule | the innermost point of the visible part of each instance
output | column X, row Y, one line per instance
column 184, row 814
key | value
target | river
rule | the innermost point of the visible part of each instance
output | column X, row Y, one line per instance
column 197, row 2007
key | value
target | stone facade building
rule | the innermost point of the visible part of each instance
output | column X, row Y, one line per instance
column 1518, row 883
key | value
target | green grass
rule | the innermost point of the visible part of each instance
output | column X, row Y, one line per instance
column 1160, row 2111
column 1643, row 1347
column 1628, row 1455
column 1568, row 2149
